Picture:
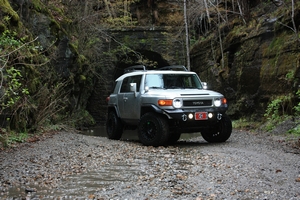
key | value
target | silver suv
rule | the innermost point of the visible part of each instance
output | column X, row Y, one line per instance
column 164, row 103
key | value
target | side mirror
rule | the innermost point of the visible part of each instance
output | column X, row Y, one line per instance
column 133, row 88
column 204, row 84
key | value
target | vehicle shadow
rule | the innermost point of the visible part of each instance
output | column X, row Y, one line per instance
column 186, row 139
column 196, row 142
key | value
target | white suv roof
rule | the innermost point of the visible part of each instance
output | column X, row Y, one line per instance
column 153, row 72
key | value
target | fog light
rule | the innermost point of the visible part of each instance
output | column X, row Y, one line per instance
column 210, row 115
column 191, row 116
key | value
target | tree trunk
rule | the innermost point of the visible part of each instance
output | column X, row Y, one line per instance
column 188, row 64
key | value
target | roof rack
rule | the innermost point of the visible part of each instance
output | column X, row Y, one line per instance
column 143, row 68
column 135, row 68
column 174, row 68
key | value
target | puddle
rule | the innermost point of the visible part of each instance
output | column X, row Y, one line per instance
column 95, row 181
column 88, row 183
column 81, row 185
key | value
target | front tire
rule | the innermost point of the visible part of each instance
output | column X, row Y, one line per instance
column 219, row 134
column 153, row 130
column 114, row 126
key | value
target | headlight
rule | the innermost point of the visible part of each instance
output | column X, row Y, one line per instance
column 177, row 103
column 217, row 102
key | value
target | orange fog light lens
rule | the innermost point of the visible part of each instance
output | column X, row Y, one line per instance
column 165, row 102
column 224, row 101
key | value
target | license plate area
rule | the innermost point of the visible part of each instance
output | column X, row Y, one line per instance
column 201, row 116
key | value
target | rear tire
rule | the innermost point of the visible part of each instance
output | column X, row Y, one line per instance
column 219, row 134
column 153, row 130
column 114, row 126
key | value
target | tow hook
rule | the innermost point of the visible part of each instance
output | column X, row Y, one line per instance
column 184, row 117
column 219, row 116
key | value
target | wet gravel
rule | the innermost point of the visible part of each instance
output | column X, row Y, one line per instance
column 75, row 166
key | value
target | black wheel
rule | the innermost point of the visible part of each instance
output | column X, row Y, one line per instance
column 114, row 126
column 219, row 134
column 173, row 137
column 153, row 130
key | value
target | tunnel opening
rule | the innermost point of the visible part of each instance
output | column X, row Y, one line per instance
column 97, row 105
column 150, row 59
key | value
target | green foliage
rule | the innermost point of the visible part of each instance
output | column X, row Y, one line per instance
column 244, row 123
column 277, row 110
column 8, row 11
column 32, row 95
column 278, row 107
column 8, row 42
column 15, row 91
column 8, row 139
column 297, row 107
column 290, row 76
column 295, row 131
column 119, row 14
column 80, row 118
column 121, row 21
column 18, row 61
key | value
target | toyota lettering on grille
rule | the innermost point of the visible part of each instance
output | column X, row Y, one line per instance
column 197, row 103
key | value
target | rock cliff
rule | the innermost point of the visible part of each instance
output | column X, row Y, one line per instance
column 252, row 59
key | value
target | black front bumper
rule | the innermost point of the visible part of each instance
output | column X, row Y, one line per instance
column 180, row 121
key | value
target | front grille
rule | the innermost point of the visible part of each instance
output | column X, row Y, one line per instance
column 197, row 102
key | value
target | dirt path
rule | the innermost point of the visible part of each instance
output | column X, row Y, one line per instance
column 70, row 165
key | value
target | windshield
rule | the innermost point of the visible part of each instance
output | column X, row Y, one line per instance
column 173, row 81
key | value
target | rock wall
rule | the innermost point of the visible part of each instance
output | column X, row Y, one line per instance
column 255, row 63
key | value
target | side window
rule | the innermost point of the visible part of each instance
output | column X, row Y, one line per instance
column 125, row 85
column 137, row 80
column 131, row 79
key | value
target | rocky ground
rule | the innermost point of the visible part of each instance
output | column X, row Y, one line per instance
column 69, row 165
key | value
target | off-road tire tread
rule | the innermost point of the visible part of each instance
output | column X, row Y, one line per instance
column 216, row 136
column 114, row 126
column 162, row 130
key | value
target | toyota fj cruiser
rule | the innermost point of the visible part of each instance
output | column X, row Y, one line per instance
column 164, row 103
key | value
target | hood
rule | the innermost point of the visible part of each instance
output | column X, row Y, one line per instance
column 172, row 93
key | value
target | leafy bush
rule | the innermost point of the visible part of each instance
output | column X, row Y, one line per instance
column 7, row 139
column 297, row 107
column 275, row 111
column 282, row 108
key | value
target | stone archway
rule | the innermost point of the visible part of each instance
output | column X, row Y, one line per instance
column 96, row 103
column 148, row 58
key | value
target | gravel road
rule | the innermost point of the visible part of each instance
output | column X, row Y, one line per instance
column 75, row 166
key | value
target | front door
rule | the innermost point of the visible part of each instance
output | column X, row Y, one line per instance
column 129, row 103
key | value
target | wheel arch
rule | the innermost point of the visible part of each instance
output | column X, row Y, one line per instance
column 113, row 108
column 150, row 108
